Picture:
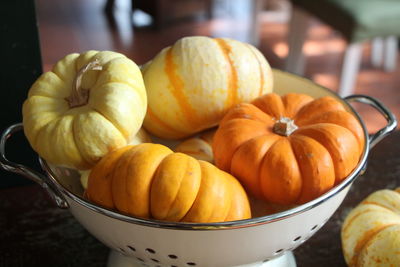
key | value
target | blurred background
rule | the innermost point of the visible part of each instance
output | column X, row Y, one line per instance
column 141, row 28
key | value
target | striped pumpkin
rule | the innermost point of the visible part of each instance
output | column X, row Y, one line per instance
column 371, row 231
column 191, row 84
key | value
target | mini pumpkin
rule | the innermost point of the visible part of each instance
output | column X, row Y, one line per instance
column 86, row 106
column 151, row 181
column 371, row 231
column 199, row 147
column 191, row 84
column 289, row 149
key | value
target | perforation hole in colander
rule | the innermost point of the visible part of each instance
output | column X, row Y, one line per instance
column 150, row 250
column 149, row 257
column 279, row 251
column 296, row 241
column 139, row 259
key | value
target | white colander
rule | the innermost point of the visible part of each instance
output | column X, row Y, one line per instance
column 260, row 241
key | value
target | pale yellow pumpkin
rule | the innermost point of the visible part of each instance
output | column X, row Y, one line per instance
column 84, row 177
column 141, row 137
column 191, row 84
column 371, row 231
column 86, row 106
column 198, row 147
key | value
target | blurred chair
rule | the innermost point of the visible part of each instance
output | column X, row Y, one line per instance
column 166, row 11
column 358, row 21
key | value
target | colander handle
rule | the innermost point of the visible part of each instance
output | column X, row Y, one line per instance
column 27, row 172
column 386, row 113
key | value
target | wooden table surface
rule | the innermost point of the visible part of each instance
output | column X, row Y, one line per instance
column 34, row 232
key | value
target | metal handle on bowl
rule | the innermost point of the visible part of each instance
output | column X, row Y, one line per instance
column 27, row 172
column 389, row 116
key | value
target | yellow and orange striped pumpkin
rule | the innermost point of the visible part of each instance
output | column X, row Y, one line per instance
column 191, row 84
column 371, row 231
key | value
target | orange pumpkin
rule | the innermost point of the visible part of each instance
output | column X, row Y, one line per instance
column 151, row 181
column 289, row 149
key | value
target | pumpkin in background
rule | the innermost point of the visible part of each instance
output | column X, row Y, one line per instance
column 199, row 147
column 84, row 177
column 86, row 106
column 141, row 137
column 371, row 231
column 151, row 181
column 288, row 149
column 191, row 84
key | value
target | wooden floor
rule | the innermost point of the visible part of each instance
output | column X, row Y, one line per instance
column 77, row 26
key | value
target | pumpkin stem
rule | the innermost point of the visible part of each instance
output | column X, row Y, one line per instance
column 80, row 96
column 284, row 126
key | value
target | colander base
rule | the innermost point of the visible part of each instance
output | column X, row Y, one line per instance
column 116, row 259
